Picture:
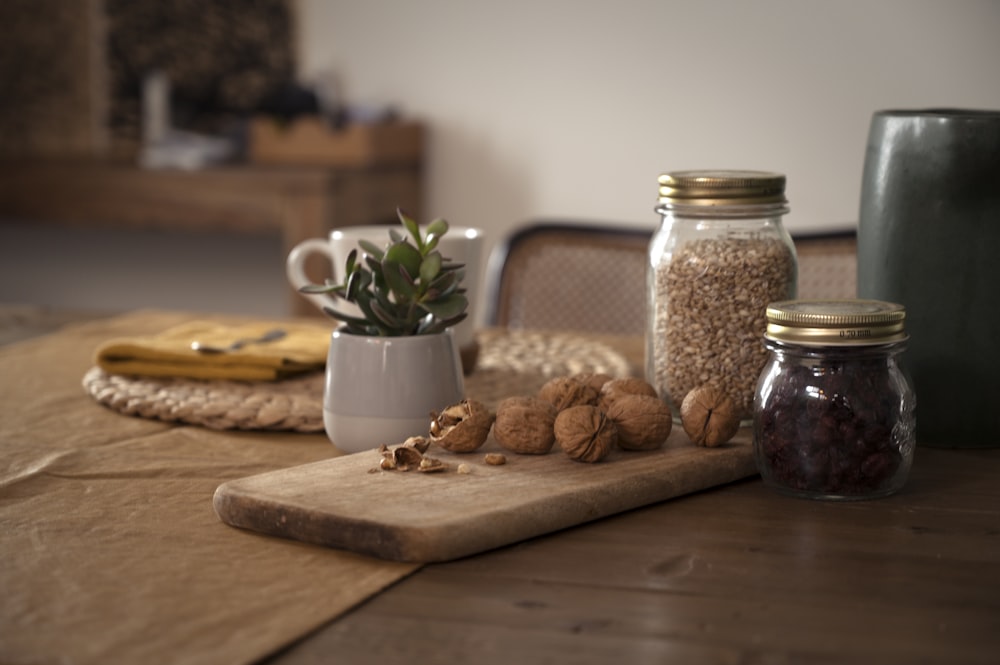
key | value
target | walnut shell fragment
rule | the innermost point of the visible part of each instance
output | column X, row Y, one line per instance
column 563, row 392
column 643, row 422
column 462, row 427
column 709, row 416
column 495, row 459
column 408, row 456
column 524, row 425
column 585, row 433
column 400, row 458
column 431, row 465
column 418, row 443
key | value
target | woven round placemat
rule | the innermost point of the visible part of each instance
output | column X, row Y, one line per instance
column 510, row 363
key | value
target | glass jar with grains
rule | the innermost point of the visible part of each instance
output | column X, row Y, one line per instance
column 719, row 257
column 835, row 413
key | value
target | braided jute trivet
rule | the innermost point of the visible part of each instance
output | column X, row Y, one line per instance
column 510, row 363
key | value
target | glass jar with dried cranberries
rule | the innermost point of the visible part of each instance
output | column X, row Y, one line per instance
column 834, row 412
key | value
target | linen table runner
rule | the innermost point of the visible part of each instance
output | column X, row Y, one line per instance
column 111, row 550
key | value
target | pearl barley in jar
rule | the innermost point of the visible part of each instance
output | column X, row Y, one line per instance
column 719, row 257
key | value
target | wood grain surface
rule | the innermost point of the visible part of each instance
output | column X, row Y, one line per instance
column 736, row 574
column 348, row 503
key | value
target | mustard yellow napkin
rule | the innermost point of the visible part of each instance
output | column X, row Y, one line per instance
column 303, row 348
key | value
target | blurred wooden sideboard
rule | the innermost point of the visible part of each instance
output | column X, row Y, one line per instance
column 299, row 201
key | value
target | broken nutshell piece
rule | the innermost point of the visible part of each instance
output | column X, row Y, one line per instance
column 495, row 459
column 408, row 456
column 404, row 458
column 709, row 416
column 431, row 465
column 462, row 427
column 585, row 433
column 418, row 443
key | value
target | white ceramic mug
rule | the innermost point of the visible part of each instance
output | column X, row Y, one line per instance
column 462, row 244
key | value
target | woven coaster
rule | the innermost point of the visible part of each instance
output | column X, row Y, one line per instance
column 510, row 363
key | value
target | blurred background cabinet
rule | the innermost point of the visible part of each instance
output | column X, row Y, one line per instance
column 297, row 201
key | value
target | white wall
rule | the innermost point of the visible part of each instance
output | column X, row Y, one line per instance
column 572, row 108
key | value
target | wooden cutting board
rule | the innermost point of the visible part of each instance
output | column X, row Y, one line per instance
column 348, row 503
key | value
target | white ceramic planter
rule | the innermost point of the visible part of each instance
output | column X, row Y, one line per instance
column 381, row 390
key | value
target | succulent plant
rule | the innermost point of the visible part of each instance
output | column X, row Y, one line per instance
column 404, row 288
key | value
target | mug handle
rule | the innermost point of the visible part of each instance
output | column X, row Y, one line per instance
column 296, row 271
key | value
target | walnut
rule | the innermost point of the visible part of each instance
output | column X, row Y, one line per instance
column 624, row 386
column 709, row 416
column 524, row 425
column 462, row 427
column 595, row 380
column 563, row 392
column 643, row 422
column 585, row 433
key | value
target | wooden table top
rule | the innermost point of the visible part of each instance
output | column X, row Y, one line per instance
column 737, row 574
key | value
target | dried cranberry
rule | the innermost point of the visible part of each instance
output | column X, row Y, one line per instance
column 826, row 427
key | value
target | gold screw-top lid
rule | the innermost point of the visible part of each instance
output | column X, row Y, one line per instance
column 714, row 188
column 835, row 322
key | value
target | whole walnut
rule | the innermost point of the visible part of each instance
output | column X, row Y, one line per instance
column 595, row 380
column 643, row 422
column 585, row 433
column 462, row 427
column 629, row 385
column 524, row 425
column 563, row 392
column 709, row 416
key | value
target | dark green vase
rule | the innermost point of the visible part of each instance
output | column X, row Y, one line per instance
column 929, row 239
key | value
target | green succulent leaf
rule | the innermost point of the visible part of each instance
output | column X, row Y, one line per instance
column 446, row 308
column 430, row 267
column 435, row 230
column 352, row 259
column 405, row 255
column 384, row 315
column 357, row 282
column 404, row 288
column 371, row 249
column 411, row 226
column 345, row 318
column 320, row 288
column 438, row 227
column 399, row 282
column 444, row 283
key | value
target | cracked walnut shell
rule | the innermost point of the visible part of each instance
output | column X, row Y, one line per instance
column 643, row 422
column 462, row 427
column 524, row 425
column 585, row 433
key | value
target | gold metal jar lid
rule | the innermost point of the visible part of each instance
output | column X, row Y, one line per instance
column 719, row 187
column 835, row 322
